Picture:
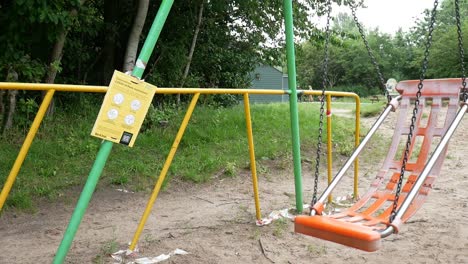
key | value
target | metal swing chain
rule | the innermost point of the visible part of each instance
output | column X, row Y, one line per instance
column 462, row 51
column 322, row 103
column 415, row 111
column 371, row 54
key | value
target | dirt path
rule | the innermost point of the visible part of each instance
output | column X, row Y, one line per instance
column 215, row 223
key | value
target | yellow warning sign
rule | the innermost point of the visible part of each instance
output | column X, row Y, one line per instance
column 124, row 108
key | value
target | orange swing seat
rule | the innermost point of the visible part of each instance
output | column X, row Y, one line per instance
column 361, row 225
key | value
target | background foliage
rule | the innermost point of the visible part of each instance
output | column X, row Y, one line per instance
column 235, row 36
column 399, row 55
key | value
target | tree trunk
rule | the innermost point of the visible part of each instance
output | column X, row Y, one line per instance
column 55, row 59
column 192, row 47
column 3, row 94
column 134, row 37
column 11, row 109
column 2, row 106
column 8, row 117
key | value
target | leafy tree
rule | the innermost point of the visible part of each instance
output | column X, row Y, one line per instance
column 398, row 56
column 234, row 37
column 349, row 63
column 445, row 57
column 444, row 60
column 24, row 49
column 231, row 39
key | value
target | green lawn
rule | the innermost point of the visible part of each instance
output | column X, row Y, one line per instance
column 215, row 143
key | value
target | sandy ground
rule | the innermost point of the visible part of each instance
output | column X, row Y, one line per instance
column 215, row 222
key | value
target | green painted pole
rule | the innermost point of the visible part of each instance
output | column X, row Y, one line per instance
column 296, row 141
column 106, row 146
column 152, row 38
column 83, row 201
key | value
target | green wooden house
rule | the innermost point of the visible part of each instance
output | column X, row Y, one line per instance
column 267, row 77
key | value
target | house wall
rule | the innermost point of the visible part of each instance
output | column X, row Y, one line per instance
column 267, row 77
column 285, row 98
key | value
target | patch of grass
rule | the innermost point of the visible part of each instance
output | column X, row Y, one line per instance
column 279, row 227
column 345, row 148
column 230, row 169
column 263, row 169
column 63, row 152
column 20, row 200
column 370, row 110
column 284, row 162
column 107, row 248
column 119, row 180
column 316, row 250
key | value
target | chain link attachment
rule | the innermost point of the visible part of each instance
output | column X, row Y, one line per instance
column 371, row 54
column 415, row 111
column 464, row 96
column 322, row 104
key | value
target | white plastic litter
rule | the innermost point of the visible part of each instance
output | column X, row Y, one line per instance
column 277, row 214
column 344, row 200
column 157, row 259
column 119, row 255
column 124, row 191
column 161, row 257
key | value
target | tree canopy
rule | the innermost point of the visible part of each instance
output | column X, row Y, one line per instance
column 399, row 56
column 83, row 41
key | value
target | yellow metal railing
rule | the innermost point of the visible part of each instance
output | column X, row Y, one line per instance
column 357, row 100
column 52, row 88
column 25, row 147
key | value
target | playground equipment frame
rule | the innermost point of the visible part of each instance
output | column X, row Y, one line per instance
column 52, row 88
column 137, row 72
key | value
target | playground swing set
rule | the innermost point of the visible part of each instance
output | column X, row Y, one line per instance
column 438, row 110
column 378, row 213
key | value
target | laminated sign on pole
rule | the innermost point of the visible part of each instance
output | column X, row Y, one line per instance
column 124, row 109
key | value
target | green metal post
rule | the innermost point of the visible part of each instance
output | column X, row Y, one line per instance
column 296, row 141
column 83, row 201
column 152, row 38
column 106, row 146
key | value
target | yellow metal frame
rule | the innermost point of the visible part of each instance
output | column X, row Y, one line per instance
column 253, row 165
column 328, row 96
column 25, row 147
column 164, row 170
column 52, row 88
